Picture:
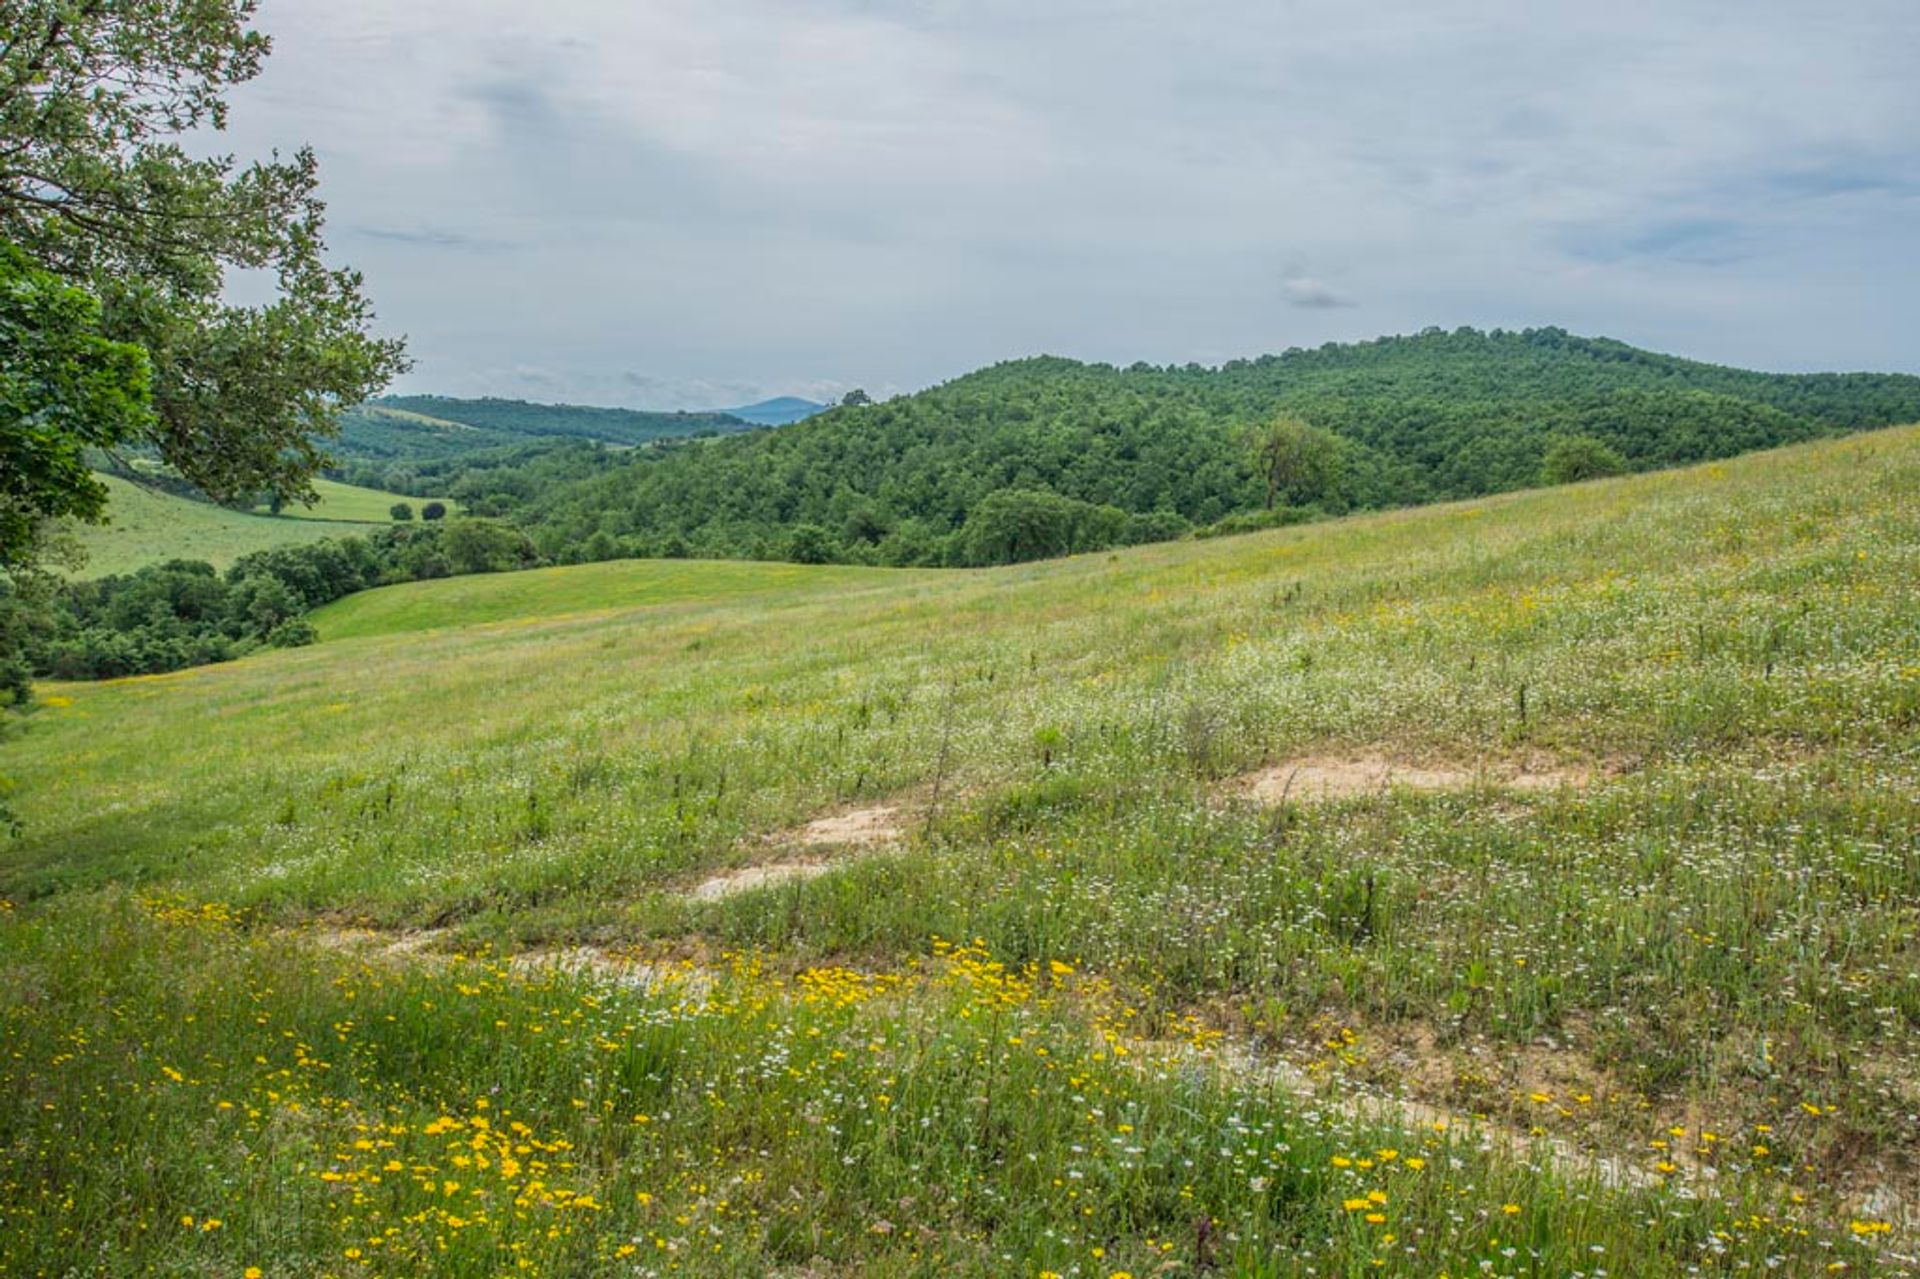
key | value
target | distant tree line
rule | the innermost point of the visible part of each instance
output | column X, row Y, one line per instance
column 1022, row 461
column 1047, row 455
column 184, row 613
column 487, row 482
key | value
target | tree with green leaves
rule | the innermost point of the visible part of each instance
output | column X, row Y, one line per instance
column 97, row 190
column 1572, row 458
column 65, row 388
column 1294, row 460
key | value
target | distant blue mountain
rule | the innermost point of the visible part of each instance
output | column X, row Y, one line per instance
column 784, row 411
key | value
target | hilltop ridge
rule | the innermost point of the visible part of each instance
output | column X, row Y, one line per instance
column 1104, row 454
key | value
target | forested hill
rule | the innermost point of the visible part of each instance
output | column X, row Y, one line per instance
column 611, row 426
column 1048, row 455
column 409, row 444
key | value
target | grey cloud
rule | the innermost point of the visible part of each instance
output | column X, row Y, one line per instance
column 430, row 238
column 1313, row 295
column 762, row 197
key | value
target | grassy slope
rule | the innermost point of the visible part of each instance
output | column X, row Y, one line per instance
column 1722, row 935
column 531, row 598
column 147, row 527
column 355, row 505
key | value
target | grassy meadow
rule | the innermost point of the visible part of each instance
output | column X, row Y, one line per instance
column 383, row 957
column 619, row 586
column 147, row 527
column 352, row 504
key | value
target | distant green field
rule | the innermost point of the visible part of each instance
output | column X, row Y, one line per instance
column 585, row 588
column 351, row 504
column 146, row 527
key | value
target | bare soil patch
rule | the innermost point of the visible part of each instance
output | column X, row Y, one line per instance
column 810, row 850
column 748, row 878
column 363, row 941
column 855, row 828
column 1331, row 777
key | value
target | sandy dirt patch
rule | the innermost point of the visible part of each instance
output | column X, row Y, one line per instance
column 855, row 828
column 748, row 878
column 863, row 832
column 1330, row 777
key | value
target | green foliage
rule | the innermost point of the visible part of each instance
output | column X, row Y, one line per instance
column 434, row 511
column 1429, row 417
column 482, row 546
column 1024, row 524
column 1573, row 458
column 401, row 512
column 64, row 390
column 492, row 481
column 809, row 544
column 1294, row 461
column 95, row 187
column 378, row 434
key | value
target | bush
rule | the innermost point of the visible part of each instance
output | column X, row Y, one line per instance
column 434, row 511
column 1016, row 525
column 811, row 544
column 1573, row 458
column 482, row 546
column 401, row 511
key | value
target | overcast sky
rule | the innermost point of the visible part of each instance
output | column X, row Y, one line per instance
column 695, row 203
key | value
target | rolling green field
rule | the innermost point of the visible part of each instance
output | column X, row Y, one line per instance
column 672, row 918
column 148, row 527
column 531, row 598
column 349, row 503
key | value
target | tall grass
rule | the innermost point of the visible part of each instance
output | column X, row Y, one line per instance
column 1702, row 967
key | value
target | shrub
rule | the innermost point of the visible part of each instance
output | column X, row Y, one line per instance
column 1572, row 458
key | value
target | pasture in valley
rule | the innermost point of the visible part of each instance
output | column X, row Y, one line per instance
column 146, row 526
column 149, row 527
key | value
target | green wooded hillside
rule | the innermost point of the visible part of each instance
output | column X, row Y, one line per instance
column 378, row 433
column 1104, row 455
